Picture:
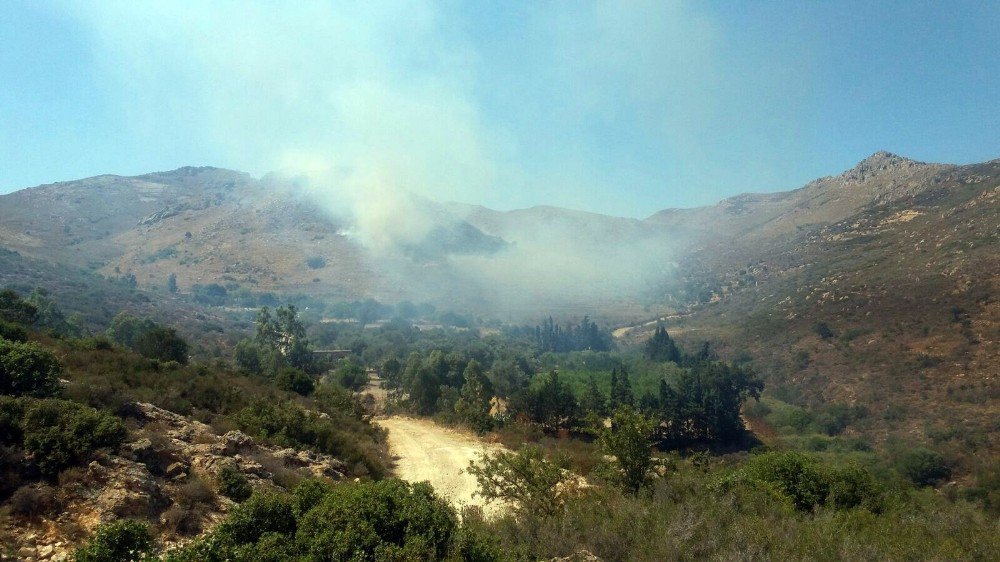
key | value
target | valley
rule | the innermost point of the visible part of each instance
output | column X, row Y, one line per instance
column 537, row 381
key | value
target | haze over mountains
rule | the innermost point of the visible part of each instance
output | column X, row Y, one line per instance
column 896, row 256
column 209, row 225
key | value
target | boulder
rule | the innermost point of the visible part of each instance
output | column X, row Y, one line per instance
column 236, row 442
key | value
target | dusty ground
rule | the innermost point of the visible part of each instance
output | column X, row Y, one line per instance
column 427, row 451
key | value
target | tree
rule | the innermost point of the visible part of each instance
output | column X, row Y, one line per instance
column 621, row 389
column 15, row 309
column 295, row 380
column 628, row 441
column 524, row 479
column 661, row 347
column 28, row 369
column 162, row 343
column 507, row 377
column 705, row 402
column 473, row 407
column 172, row 284
column 126, row 329
column 50, row 317
column 350, row 375
column 551, row 403
column 247, row 355
column 924, row 467
column 279, row 340
column 593, row 400
column 267, row 334
column 392, row 372
column 148, row 338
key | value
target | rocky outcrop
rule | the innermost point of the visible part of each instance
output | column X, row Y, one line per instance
column 170, row 463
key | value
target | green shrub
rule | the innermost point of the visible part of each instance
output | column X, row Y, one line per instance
column 259, row 515
column 119, row 541
column 148, row 338
column 294, row 380
column 28, row 369
column 792, row 475
column 94, row 343
column 309, row 493
column 523, row 478
column 807, row 484
column 163, row 344
column 57, row 433
column 350, row 375
column 854, row 486
column 233, row 484
column 289, row 425
column 386, row 520
column 12, row 332
column 924, row 467
column 15, row 309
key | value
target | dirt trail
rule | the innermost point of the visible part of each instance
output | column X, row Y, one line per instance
column 427, row 451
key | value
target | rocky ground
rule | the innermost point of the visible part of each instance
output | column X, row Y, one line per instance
column 167, row 475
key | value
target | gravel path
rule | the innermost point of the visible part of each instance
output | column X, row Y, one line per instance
column 424, row 450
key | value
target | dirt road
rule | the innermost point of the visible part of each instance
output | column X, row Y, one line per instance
column 427, row 451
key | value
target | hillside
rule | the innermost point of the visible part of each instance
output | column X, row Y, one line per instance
column 892, row 307
column 208, row 225
column 876, row 286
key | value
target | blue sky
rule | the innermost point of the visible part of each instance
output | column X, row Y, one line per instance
column 622, row 108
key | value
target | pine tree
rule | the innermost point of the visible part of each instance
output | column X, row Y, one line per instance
column 593, row 400
column 621, row 389
column 661, row 347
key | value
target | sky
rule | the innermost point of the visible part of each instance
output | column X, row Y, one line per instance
column 622, row 108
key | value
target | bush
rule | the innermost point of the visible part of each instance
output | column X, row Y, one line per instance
column 12, row 332
column 309, row 493
column 924, row 467
column 316, row 262
column 295, row 380
column 57, row 433
column 119, row 541
column 261, row 514
column 233, row 484
column 390, row 519
column 289, row 425
column 792, row 475
column 15, row 309
column 823, row 330
column 854, row 486
column 163, row 344
column 28, row 369
column 628, row 441
column 523, row 478
column 182, row 520
column 807, row 484
column 148, row 338
column 195, row 492
column 33, row 501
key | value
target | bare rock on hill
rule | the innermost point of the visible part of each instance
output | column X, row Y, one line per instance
column 170, row 462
